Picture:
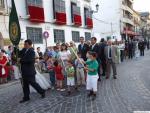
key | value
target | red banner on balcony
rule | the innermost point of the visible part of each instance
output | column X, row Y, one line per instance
column 89, row 23
column 36, row 14
column 60, row 18
column 77, row 20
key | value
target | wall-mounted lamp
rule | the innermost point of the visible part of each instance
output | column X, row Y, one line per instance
column 97, row 8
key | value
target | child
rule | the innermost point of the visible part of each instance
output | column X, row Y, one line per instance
column 49, row 63
column 92, row 76
column 80, row 70
column 70, row 76
column 59, row 75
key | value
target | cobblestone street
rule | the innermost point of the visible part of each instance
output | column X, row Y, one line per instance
column 130, row 92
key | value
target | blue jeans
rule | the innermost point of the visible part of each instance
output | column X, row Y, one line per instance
column 52, row 77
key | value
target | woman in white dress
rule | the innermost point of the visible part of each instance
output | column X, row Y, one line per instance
column 40, row 79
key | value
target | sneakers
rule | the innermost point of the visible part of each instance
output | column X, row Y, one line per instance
column 62, row 89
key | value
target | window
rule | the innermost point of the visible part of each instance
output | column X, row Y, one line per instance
column 59, row 36
column 73, row 5
column 2, row 4
column 87, row 14
column 35, row 34
column 58, row 6
column 38, row 3
column 75, row 36
column 87, row 36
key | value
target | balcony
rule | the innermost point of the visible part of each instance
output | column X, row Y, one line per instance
column 88, row 18
column 126, row 8
column 89, row 23
column 36, row 11
column 127, row 20
column 76, row 16
column 59, row 12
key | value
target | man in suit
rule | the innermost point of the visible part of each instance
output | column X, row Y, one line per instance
column 130, row 48
column 141, row 47
column 102, row 56
column 83, row 48
column 111, row 54
column 27, row 60
column 95, row 48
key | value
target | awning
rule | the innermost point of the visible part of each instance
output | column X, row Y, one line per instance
column 89, row 23
column 36, row 13
column 77, row 20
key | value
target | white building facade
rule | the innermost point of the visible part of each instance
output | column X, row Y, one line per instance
column 60, row 20
column 114, row 19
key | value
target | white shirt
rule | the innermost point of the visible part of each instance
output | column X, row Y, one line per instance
column 65, row 55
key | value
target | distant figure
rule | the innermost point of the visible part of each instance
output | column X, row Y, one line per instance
column 102, row 55
column 141, row 46
column 111, row 55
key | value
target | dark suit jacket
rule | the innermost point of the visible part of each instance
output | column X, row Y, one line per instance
column 27, row 63
column 83, row 50
column 95, row 48
column 102, row 51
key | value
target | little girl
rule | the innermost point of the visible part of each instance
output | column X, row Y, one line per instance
column 50, row 66
column 59, row 75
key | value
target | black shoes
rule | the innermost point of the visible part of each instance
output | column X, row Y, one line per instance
column 90, row 94
column 94, row 97
column 43, row 95
column 115, row 77
column 24, row 100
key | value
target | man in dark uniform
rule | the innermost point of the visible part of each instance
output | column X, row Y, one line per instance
column 83, row 48
column 27, row 60
column 102, row 56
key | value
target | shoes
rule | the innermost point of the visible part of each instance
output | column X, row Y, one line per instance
column 90, row 94
column 69, row 93
column 43, row 95
column 24, row 100
column 99, row 79
column 107, row 77
column 62, row 89
column 58, row 89
column 115, row 77
column 94, row 97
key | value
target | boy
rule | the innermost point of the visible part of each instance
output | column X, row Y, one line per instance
column 80, row 70
column 92, row 76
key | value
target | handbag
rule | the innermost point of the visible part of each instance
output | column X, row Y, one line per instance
column 3, row 71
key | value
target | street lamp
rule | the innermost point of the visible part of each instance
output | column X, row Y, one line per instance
column 97, row 8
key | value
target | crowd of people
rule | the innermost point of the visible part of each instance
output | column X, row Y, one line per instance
column 69, row 66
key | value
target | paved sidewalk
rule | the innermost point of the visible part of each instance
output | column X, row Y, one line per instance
column 130, row 92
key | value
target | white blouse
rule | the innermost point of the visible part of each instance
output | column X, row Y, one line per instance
column 65, row 55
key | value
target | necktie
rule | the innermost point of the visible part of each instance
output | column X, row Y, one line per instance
column 109, row 52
